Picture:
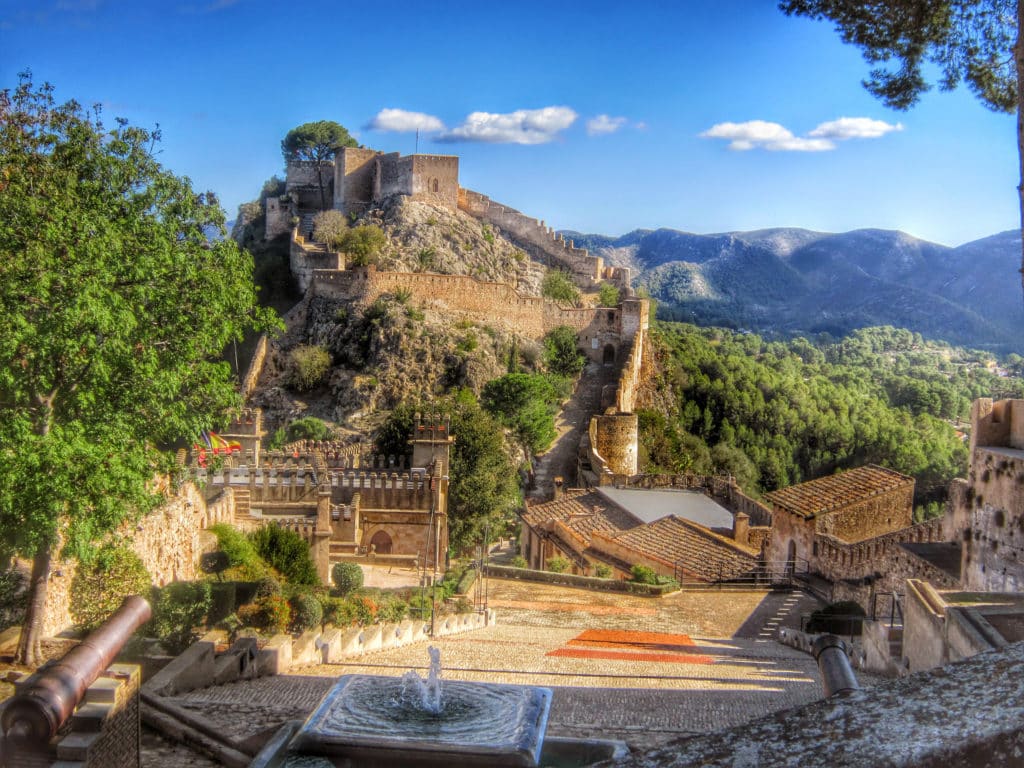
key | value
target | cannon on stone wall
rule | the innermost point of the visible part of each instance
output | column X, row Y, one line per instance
column 35, row 714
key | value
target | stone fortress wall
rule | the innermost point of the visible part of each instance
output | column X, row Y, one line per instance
column 984, row 511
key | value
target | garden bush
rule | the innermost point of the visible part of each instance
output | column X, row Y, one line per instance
column 557, row 564
column 347, row 577
column 519, row 562
column 178, row 609
column 268, row 613
column 101, row 585
column 603, row 571
column 307, row 611
column 244, row 561
column 643, row 574
column 287, row 552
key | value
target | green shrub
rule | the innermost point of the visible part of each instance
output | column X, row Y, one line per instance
column 244, row 561
column 363, row 243
column 178, row 609
column 466, row 582
column 13, row 598
column 101, row 585
column 337, row 611
column 223, row 600
column 557, row 564
column 270, row 613
column 392, row 609
column 558, row 286
column 519, row 562
column 308, row 428
column 307, row 611
column 402, row 295
column 643, row 574
column 364, row 609
column 603, row 571
column 286, row 551
column 308, row 364
column 608, row 295
column 347, row 577
column 268, row 587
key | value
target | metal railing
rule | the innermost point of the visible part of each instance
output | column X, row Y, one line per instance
column 766, row 575
column 887, row 607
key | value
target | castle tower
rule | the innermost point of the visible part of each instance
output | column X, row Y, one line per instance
column 431, row 442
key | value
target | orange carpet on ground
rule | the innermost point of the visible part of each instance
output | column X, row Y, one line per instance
column 643, row 646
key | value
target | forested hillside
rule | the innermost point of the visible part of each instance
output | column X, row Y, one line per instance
column 778, row 413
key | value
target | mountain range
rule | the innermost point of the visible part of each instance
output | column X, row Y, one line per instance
column 796, row 281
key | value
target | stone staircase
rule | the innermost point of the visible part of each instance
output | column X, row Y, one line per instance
column 243, row 507
column 572, row 423
column 306, row 226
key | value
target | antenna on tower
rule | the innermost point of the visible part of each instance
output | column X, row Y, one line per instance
column 417, row 150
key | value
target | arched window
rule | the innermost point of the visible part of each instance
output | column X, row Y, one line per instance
column 609, row 354
column 435, row 185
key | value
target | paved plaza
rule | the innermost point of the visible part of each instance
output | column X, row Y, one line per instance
column 645, row 670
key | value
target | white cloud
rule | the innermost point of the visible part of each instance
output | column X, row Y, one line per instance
column 403, row 121
column 602, row 124
column 854, row 128
column 524, row 126
column 761, row 134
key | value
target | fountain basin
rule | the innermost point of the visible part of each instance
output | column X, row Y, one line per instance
column 364, row 719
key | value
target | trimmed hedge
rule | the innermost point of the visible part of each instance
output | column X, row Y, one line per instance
column 587, row 582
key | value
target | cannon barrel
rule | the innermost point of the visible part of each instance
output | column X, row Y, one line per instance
column 42, row 706
column 833, row 663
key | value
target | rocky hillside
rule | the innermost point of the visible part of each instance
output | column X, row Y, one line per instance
column 425, row 238
column 799, row 281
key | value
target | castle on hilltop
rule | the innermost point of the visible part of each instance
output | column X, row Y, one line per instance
column 359, row 179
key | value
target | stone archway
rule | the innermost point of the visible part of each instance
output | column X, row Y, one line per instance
column 608, row 356
column 381, row 543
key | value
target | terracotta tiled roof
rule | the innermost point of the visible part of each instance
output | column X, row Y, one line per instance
column 826, row 494
column 583, row 512
column 700, row 553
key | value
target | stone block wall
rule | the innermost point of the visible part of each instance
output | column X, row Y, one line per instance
column 304, row 258
column 874, row 516
column 435, row 180
column 279, row 216
column 354, row 173
column 394, row 176
column 166, row 540
column 543, row 243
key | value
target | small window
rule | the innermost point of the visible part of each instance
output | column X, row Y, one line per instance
column 435, row 185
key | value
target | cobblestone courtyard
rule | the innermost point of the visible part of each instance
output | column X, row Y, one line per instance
column 640, row 669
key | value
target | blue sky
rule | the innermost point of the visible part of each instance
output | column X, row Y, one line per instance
column 603, row 117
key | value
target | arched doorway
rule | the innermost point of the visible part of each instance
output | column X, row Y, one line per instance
column 381, row 543
column 608, row 357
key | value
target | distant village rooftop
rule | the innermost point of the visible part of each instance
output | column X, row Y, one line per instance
column 827, row 494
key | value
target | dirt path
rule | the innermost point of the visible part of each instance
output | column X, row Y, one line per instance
column 573, row 421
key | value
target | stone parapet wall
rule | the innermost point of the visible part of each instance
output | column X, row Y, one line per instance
column 252, row 376
column 544, row 244
column 166, row 540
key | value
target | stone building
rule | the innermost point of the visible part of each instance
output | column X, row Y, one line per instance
column 344, row 501
column 682, row 533
column 850, row 506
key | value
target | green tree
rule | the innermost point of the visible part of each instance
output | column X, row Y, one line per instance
column 330, row 228
column 558, row 286
column 101, row 584
column 363, row 243
column 971, row 41
column 318, row 143
column 561, row 354
column 526, row 403
column 114, row 309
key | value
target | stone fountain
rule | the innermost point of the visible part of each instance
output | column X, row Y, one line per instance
column 373, row 721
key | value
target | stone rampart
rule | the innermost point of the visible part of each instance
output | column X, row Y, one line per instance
column 252, row 376
column 543, row 243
